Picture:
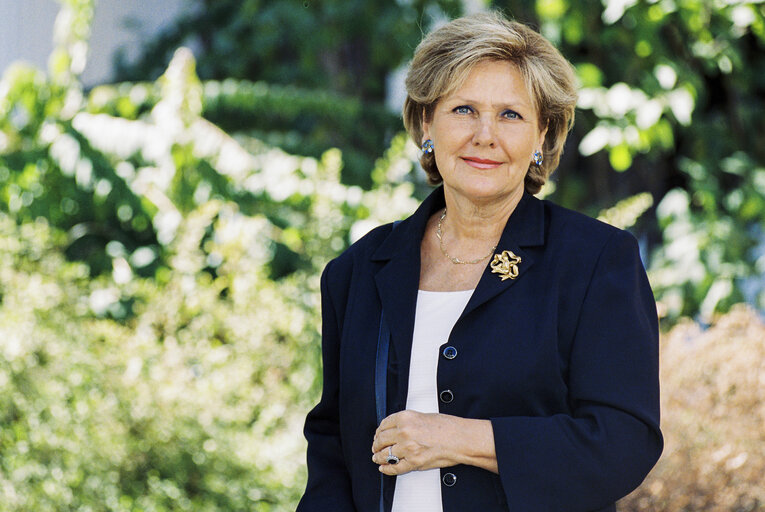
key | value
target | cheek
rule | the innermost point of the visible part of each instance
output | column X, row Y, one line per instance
column 519, row 145
column 446, row 147
column 444, row 163
column 451, row 146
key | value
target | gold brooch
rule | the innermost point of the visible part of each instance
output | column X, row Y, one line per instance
column 506, row 265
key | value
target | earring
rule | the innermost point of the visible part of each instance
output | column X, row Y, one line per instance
column 427, row 146
column 537, row 158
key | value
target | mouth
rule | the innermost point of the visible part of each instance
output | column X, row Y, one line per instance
column 481, row 163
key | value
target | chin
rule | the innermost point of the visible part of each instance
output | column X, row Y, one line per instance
column 481, row 192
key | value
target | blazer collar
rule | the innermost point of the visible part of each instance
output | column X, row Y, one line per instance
column 524, row 228
column 398, row 280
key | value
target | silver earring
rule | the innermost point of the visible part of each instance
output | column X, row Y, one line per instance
column 427, row 146
column 537, row 158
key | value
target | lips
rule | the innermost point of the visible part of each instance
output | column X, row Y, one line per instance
column 481, row 163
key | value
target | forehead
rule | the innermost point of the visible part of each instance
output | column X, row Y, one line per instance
column 499, row 80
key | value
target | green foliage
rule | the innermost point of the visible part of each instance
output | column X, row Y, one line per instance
column 302, row 50
column 120, row 185
column 196, row 403
column 280, row 116
column 626, row 212
column 71, row 41
column 170, row 367
column 346, row 47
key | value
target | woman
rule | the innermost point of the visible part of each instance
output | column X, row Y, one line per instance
column 522, row 371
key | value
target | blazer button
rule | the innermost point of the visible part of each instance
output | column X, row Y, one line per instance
column 446, row 396
column 450, row 352
column 449, row 479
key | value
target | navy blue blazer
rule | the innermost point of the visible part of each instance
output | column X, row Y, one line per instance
column 563, row 360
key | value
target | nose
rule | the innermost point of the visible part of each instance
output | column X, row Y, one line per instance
column 484, row 134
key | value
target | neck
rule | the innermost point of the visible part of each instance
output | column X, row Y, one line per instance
column 478, row 221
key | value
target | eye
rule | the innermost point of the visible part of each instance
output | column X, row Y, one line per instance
column 462, row 109
column 511, row 114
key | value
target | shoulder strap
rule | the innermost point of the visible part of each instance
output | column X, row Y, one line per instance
column 381, row 363
column 381, row 369
column 381, row 378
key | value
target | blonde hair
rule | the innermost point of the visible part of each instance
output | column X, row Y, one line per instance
column 445, row 57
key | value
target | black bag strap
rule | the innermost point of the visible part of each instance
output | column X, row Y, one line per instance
column 381, row 369
column 381, row 378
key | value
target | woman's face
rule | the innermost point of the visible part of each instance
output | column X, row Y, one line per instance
column 485, row 133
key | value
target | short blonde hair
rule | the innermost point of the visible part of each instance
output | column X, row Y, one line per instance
column 445, row 57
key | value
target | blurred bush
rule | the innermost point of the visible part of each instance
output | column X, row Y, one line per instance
column 277, row 115
column 185, row 389
column 713, row 412
column 194, row 404
column 159, row 314
column 119, row 168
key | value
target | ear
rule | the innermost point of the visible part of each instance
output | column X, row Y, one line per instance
column 425, row 127
column 542, row 135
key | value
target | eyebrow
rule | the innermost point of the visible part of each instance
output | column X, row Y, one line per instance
column 460, row 99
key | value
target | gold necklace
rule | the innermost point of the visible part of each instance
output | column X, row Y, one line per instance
column 456, row 261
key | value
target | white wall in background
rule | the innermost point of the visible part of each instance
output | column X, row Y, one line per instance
column 125, row 24
column 26, row 31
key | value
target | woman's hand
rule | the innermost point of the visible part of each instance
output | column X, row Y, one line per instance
column 419, row 440
column 426, row 441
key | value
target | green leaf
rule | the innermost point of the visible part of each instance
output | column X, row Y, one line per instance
column 620, row 157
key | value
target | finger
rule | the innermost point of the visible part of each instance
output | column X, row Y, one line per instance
column 388, row 422
column 382, row 459
column 395, row 421
column 381, row 456
column 384, row 439
column 397, row 418
column 402, row 467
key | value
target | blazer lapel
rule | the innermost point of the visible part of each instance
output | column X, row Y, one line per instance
column 524, row 228
column 398, row 280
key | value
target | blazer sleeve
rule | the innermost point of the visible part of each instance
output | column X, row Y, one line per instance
column 329, row 484
column 607, row 445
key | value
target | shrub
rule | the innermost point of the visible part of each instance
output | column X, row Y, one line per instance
column 713, row 406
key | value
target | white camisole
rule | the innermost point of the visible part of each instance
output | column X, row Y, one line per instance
column 435, row 316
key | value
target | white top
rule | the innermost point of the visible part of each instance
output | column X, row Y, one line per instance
column 435, row 316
